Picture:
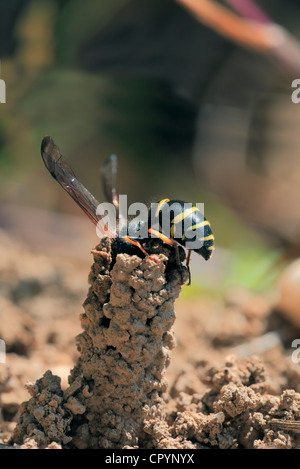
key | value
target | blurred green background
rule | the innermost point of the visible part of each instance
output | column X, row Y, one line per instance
column 190, row 115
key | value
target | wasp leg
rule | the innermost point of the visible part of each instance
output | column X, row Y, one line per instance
column 173, row 243
column 164, row 238
column 188, row 265
column 179, row 266
column 136, row 243
column 94, row 251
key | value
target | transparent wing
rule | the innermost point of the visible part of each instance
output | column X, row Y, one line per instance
column 64, row 175
column 108, row 175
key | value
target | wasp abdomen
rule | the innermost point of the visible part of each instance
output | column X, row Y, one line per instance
column 184, row 223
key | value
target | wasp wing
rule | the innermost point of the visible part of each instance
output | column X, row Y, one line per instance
column 64, row 175
column 108, row 175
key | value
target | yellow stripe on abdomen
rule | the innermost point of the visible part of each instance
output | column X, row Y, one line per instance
column 198, row 225
column 181, row 216
column 160, row 206
column 207, row 238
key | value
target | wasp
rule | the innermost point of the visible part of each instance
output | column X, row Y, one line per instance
column 185, row 221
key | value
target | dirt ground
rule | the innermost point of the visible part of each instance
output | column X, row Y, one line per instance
column 231, row 380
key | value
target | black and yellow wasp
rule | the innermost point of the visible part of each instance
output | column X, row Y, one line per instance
column 185, row 223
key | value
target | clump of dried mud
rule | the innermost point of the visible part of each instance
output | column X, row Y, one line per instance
column 130, row 388
column 118, row 380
